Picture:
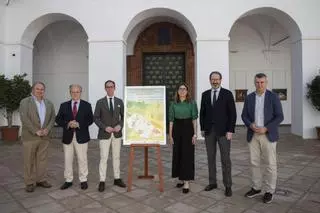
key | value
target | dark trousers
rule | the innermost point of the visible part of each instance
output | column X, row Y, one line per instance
column 211, row 139
column 183, row 150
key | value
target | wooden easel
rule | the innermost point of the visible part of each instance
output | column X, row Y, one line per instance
column 146, row 174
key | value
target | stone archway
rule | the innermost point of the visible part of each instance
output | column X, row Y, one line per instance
column 56, row 56
column 148, row 24
column 167, row 38
column 149, row 42
column 268, row 40
column 163, row 55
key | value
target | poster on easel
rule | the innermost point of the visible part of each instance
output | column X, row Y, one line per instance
column 144, row 115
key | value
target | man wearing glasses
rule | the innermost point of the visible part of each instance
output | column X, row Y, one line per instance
column 108, row 116
column 217, row 121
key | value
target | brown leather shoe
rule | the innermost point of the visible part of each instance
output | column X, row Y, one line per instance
column 30, row 188
column 44, row 184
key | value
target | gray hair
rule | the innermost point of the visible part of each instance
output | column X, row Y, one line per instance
column 38, row 82
column 75, row 85
column 260, row 75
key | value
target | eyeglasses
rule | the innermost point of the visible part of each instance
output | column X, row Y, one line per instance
column 215, row 79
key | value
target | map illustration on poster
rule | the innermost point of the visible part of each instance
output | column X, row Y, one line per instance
column 144, row 115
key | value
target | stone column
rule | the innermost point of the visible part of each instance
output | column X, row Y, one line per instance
column 106, row 62
column 310, row 68
column 212, row 55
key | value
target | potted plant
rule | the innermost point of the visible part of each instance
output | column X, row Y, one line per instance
column 313, row 94
column 12, row 91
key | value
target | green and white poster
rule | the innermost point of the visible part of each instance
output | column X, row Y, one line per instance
column 144, row 115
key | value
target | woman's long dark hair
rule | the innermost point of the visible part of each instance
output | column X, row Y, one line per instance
column 177, row 98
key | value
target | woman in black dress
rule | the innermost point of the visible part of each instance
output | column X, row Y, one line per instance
column 183, row 114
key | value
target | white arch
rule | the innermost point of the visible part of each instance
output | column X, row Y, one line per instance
column 280, row 16
column 294, row 33
column 150, row 16
column 33, row 29
column 30, row 34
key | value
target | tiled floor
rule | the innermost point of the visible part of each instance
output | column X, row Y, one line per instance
column 298, row 189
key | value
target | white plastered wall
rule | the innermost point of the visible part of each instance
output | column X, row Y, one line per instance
column 211, row 24
column 2, row 28
column 60, row 58
column 252, row 51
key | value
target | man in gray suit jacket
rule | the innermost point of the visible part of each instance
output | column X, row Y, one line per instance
column 37, row 116
column 108, row 116
column 262, row 114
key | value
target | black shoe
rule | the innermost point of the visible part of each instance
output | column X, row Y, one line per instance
column 228, row 192
column 185, row 190
column 44, row 184
column 210, row 187
column 252, row 193
column 179, row 185
column 101, row 186
column 84, row 185
column 30, row 188
column 268, row 197
column 119, row 182
column 66, row 185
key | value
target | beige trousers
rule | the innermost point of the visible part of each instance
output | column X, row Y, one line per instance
column 81, row 151
column 35, row 154
column 261, row 149
column 104, row 153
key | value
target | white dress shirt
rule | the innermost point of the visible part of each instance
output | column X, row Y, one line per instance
column 108, row 97
column 78, row 104
column 41, row 107
column 217, row 93
column 259, row 110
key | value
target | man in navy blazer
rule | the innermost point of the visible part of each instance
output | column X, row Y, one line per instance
column 217, row 122
column 75, row 117
column 262, row 114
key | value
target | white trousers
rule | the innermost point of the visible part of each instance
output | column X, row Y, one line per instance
column 104, row 153
column 81, row 150
column 261, row 149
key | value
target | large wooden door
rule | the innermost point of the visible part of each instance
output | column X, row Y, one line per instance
column 164, row 69
column 153, row 43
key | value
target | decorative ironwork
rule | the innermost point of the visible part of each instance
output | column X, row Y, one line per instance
column 164, row 69
column 167, row 69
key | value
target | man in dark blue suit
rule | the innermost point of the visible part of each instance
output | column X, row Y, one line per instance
column 75, row 117
column 262, row 114
column 217, row 122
